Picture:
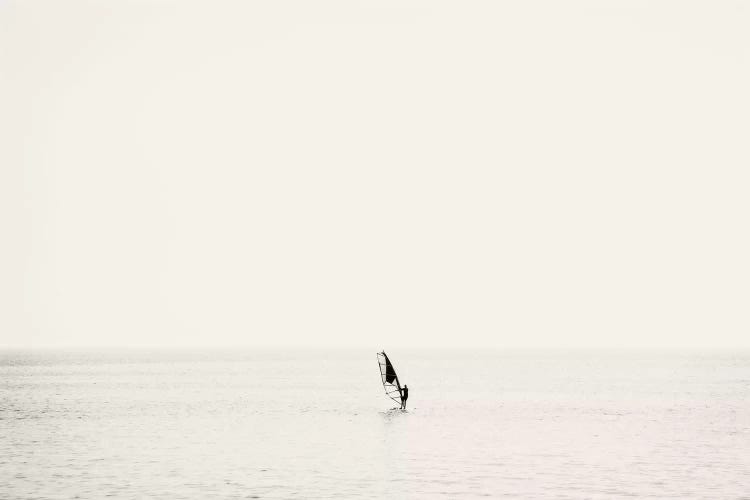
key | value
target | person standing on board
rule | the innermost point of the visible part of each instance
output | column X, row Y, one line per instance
column 404, row 396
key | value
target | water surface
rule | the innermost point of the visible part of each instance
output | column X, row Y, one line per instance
column 316, row 424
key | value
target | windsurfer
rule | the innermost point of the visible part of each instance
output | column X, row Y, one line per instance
column 404, row 396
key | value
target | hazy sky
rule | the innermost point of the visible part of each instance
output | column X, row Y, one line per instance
column 375, row 173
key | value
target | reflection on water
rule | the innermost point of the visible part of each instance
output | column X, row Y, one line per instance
column 284, row 424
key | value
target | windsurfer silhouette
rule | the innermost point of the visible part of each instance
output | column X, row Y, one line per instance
column 404, row 396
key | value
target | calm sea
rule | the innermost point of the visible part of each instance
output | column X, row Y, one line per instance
column 316, row 424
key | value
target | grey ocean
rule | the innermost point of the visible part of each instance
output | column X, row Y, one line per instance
column 316, row 424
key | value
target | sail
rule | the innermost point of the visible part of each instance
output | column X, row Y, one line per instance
column 390, row 379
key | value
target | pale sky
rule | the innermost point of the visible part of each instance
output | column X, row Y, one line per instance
column 375, row 173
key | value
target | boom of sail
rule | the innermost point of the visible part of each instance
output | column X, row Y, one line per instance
column 390, row 379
